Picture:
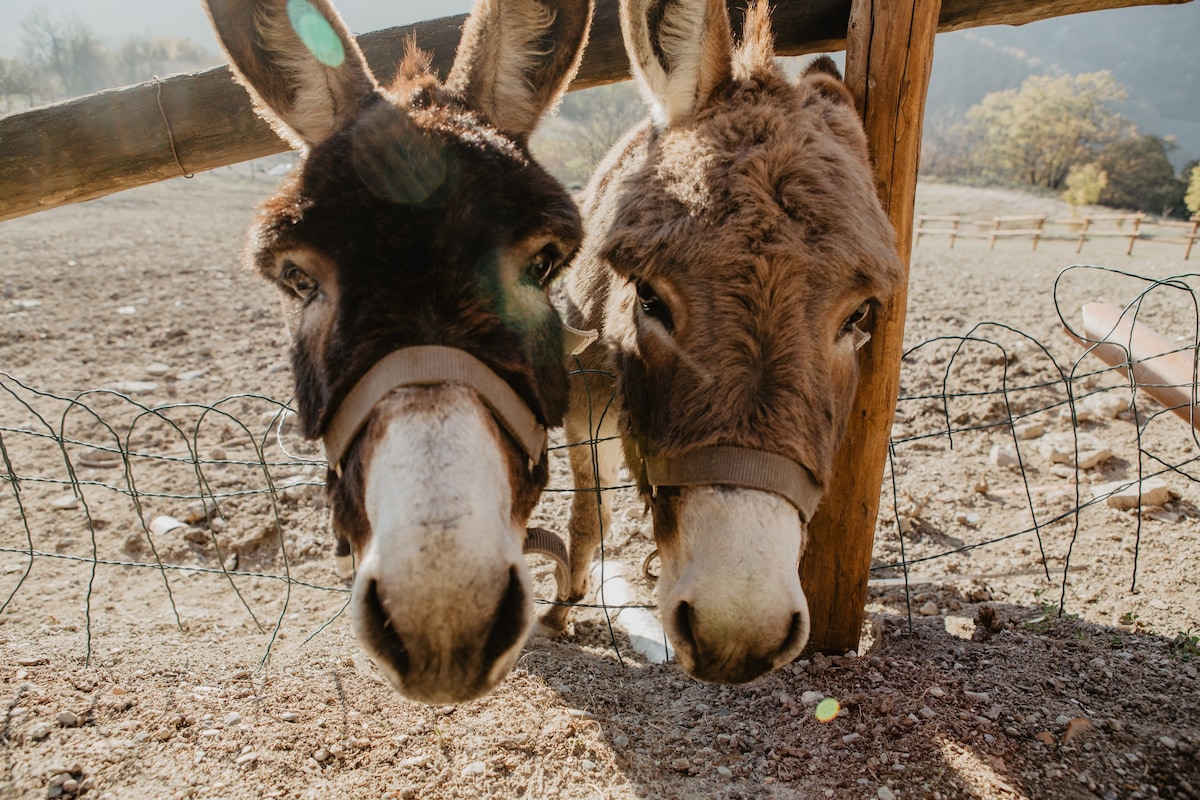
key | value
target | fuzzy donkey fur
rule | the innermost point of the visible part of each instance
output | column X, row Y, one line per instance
column 418, row 222
column 735, row 250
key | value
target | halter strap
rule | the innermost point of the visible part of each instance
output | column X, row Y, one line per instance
column 428, row 366
column 737, row 466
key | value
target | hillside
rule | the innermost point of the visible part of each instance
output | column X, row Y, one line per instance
column 1157, row 66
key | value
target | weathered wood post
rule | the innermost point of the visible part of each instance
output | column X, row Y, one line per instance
column 889, row 53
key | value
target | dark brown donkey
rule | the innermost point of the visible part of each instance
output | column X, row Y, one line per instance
column 412, row 248
column 735, row 253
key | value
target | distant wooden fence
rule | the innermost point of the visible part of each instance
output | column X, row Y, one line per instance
column 1132, row 227
column 1016, row 225
column 1111, row 225
column 943, row 225
column 1190, row 233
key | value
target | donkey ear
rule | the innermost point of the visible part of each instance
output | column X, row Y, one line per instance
column 823, row 76
column 517, row 57
column 680, row 51
column 297, row 60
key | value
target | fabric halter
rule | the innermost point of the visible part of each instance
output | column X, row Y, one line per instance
column 737, row 466
column 428, row 366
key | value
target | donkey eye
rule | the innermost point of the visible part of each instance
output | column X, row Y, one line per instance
column 542, row 266
column 653, row 306
column 852, row 326
column 297, row 281
column 858, row 317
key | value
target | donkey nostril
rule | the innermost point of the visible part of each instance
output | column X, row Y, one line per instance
column 685, row 624
column 508, row 625
column 797, row 634
column 383, row 637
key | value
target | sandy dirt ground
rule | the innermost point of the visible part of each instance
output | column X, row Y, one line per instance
column 206, row 656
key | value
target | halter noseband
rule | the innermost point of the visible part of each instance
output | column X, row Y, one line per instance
column 737, row 466
column 428, row 366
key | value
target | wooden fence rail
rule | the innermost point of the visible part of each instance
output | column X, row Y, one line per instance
column 122, row 138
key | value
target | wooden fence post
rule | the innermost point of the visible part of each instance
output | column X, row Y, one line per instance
column 889, row 53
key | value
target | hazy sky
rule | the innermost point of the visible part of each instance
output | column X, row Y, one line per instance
column 112, row 20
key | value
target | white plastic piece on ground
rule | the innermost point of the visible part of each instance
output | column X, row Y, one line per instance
column 645, row 633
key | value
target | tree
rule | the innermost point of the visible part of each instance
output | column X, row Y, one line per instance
column 1037, row 133
column 19, row 79
column 587, row 125
column 69, row 50
column 1140, row 175
column 1085, row 184
column 140, row 59
column 1192, row 200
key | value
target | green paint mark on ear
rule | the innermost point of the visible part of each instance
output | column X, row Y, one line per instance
column 316, row 33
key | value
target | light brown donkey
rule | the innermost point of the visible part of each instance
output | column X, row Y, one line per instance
column 412, row 248
column 735, row 251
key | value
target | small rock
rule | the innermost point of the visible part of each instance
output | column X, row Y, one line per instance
column 68, row 719
column 937, row 691
column 157, row 369
column 200, row 511
column 415, row 761
column 1122, row 496
column 65, row 502
column 1101, row 406
column 1168, row 742
column 927, row 712
column 811, row 698
column 1029, row 430
column 981, row 485
column 929, row 609
column 724, row 771
column 127, row 311
column 39, row 731
column 885, row 793
column 322, row 755
column 586, row 765
column 977, row 697
column 246, row 758
column 620, row 740
column 1003, row 456
column 134, row 387
column 232, row 719
column 475, row 768
column 851, row 738
column 1060, row 448
column 191, row 375
column 163, row 524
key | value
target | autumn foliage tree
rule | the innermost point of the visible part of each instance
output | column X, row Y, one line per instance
column 1036, row 134
column 1192, row 200
column 1141, row 176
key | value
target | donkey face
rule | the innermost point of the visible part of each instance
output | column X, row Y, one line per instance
column 418, row 218
column 746, row 249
